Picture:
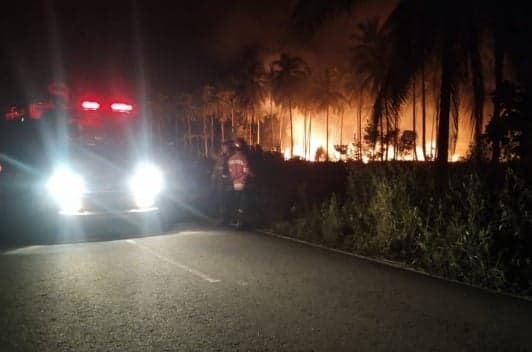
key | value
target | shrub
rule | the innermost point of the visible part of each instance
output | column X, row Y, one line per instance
column 472, row 228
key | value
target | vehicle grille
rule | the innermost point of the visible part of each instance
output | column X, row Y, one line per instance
column 108, row 201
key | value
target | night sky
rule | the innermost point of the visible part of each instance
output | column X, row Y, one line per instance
column 169, row 45
column 172, row 44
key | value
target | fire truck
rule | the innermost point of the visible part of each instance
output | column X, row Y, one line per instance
column 82, row 159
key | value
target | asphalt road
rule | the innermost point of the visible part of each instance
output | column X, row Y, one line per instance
column 206, row 289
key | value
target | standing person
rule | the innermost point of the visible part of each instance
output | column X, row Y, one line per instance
column 221, row 179
column 240, row 173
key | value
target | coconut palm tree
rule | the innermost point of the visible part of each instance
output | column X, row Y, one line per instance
column 329, row 97
column 370, row 60
column 250, row 87
column 288, row 75
column 448, row 31
column 208, row 109
column 226, row 99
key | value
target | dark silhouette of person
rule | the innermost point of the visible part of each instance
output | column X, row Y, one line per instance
column 222, row 183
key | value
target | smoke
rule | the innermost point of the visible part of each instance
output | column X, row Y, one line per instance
column 268, row 27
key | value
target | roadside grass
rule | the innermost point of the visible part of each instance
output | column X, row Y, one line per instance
column 475, row 226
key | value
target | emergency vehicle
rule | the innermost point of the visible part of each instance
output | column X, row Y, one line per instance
column 90, row 157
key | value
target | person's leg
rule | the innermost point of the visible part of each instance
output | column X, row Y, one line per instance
column 232, row 206
column 237, row 208
column 241, row 208
column 225, row 206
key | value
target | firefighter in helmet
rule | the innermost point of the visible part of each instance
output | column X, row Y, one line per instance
column 240, row 173
column 222, row 183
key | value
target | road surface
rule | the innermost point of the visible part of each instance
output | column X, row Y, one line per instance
column 202, row 288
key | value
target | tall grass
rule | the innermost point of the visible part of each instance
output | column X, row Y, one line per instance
column 475, row 228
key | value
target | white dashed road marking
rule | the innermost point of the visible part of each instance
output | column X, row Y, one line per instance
column 173, row 262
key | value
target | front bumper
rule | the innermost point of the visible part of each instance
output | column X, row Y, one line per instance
column 109, row 204
column 108, row 213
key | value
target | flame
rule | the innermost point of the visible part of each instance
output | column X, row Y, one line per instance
column 318, row 139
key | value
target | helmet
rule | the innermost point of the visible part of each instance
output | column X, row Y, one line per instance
column 239, row 144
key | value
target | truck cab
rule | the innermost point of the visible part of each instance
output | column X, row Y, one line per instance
column 102, row 163
column 88, row 160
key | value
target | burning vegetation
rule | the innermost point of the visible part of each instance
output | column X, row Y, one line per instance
column 387, row 99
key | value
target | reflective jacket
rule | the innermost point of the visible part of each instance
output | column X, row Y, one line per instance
column 239, row 170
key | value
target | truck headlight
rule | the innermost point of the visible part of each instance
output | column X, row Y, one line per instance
column 66, row 188
column 146, row 183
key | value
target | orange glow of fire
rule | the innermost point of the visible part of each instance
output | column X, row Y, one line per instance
column 347, row 137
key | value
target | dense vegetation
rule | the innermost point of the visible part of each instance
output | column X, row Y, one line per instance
column 474, row 228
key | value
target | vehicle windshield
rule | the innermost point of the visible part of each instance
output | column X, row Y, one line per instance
column 103, row 133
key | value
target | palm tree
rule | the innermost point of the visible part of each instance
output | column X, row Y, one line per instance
column 288, row 76
column 414, row 116
column 353, row 92
column 249, row 85
column 226, row 99
column 329, row 96
column 423, row 114
column 448, row 31
column 308, row 106
column 187, row 105
column 370, row 60
column 208, row 108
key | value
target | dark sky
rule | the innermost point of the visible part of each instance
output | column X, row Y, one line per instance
column 172, row 44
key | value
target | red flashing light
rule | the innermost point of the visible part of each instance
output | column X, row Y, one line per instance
column 90, row 105
column 121, row 107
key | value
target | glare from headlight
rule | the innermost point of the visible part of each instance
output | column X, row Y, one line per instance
column 66, row 188
column 146, row 184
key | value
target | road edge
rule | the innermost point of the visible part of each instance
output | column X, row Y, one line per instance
column 391, row 263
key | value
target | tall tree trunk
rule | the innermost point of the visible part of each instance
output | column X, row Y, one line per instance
column 442, row 143
column 309, row 136
column 222, row 129
column 189, row 128
column 423, row 114
column 258, row 130
column 382, row 138
column 327, row 134
column 232, row 123
column 414, row 116
column 387, row 138
column 205, row 137
column 212, row 132
column 291, row 129
column 305, row 136
column 176, row 126
column 272, row 122
column 249, row 128
column 281, row 120
column 273, row 132
column 498, row 69
column 341, row 126
column 478, row 90
column 360, row 127
column 395, row 135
